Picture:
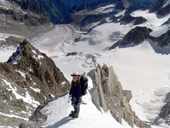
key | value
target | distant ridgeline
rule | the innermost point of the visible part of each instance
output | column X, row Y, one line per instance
column 59, row 10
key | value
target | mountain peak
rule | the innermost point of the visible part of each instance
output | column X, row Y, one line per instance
column 30, row 79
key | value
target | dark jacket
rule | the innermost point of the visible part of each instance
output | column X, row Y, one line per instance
column 84, row 89
column 84, row 84
column 75, row 91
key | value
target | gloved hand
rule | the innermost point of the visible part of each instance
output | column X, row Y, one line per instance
column 76, row 103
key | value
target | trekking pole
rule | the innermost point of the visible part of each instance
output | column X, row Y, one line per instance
column 69, row 98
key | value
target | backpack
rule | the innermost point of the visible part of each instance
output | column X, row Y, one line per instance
column 84, row 84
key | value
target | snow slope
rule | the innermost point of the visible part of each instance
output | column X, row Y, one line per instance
column 56, row 39
column 153, row 20
column 140, row 69
column 90, row 117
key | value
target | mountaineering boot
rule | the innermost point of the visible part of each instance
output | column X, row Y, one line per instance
column 72, row 112
column 73, row 115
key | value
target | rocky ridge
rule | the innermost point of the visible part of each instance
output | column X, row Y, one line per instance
column 16, row 19
column 108, row 94
column 29, row 78
column 133, row 37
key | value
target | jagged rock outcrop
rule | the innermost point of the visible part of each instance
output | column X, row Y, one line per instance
column 160, row 8
column 89, row 19
column 164, row 11
column 107, row 93
column 21, row 19
column 167, row 22
column 129, row 19
column 163, row 40
column 134, row 36
column 156, row 6
column 32, row 14
column 30, row 60
column 164, row 114
column 29, row 78
column 27, row 23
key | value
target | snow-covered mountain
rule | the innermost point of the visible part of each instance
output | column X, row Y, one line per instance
column 135, row 42
column 18, row 19
column 142, row 67
column 59, row 11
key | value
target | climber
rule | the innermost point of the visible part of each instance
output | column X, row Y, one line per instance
column 75, row 93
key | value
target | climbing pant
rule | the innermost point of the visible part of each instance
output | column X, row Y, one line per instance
column 76, row 107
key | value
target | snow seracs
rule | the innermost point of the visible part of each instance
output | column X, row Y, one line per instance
column 28, row 79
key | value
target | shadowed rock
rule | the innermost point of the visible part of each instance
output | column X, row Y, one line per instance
column 167, row 22
column 130, row 19
column 134, row 37
column 163, row 40
column 165, row 112
column 160, row 9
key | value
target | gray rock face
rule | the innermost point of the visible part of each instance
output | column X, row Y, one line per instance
column 163, row 40
column 26, row 22
column 160, row 8
column 157, row 6
column 164, row 11
column 134, row 37
column 167, row 22
column 28, row 124
column 31, row 17
column 27, row 79
column 164, row 115
column 93, row 18
column 108, row 94
column 136, row 20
